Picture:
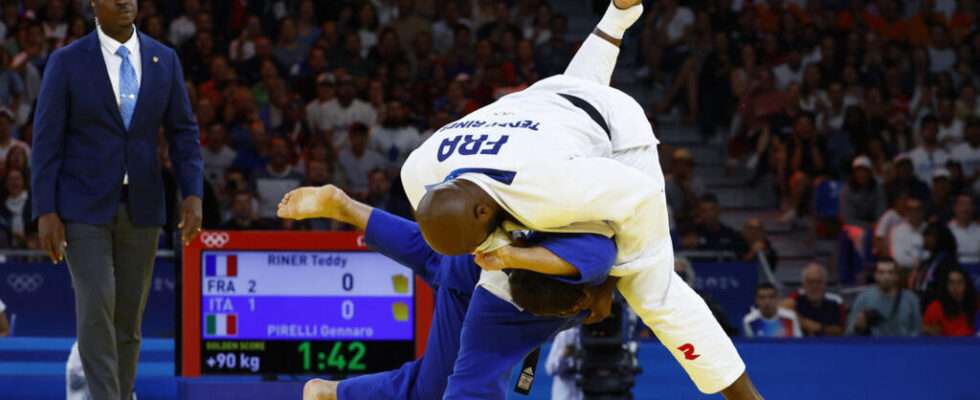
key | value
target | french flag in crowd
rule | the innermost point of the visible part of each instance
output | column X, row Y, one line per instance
column 221, row 324
column 221, row 265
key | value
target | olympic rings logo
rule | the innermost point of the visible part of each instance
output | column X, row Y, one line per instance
column 25, row 282
column 214, row 239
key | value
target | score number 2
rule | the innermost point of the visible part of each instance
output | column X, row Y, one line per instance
column 335, row 359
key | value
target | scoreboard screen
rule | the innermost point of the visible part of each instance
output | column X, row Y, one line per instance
column 333, row 308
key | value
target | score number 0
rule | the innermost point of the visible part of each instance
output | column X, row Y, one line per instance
column 347, row 307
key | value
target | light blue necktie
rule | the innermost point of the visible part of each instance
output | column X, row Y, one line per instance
column 128, row 86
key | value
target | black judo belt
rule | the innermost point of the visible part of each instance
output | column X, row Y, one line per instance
column 590, row 110
column 527, row 372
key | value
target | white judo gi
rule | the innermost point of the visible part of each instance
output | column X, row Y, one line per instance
column 571, row 154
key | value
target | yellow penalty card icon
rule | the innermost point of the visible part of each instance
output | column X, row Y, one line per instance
column 400, row 311
column 400, row 282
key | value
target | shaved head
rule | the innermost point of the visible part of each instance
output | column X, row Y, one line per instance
column 456, row 216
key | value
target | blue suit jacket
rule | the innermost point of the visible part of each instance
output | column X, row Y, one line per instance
column 82, row 148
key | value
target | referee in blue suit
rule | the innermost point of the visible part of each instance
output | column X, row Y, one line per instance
column 98, row 189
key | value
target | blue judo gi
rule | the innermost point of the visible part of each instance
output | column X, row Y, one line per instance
column 475, row 337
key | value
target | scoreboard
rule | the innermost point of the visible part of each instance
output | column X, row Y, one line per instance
column 295, row 303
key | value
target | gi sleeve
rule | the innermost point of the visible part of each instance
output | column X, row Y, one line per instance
column 400, row 239
column 592, row 255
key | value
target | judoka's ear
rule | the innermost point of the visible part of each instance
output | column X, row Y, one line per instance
column 483, row 212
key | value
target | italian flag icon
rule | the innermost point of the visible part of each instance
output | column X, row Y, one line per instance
column 221, row 324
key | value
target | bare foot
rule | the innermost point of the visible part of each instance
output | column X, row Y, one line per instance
column 319, row 389
column 624, row 4
column 310, row 202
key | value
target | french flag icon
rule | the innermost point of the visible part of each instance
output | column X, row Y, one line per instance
column 221, row 265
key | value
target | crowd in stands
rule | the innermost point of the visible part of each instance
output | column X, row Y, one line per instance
column 880, row 95
column 877, row 96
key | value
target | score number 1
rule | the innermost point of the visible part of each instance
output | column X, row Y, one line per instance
column 335, row 359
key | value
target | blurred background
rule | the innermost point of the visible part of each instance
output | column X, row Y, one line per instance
column 817, row 152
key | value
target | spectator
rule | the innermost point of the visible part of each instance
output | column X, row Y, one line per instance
column 290, row 52
column 715, row 234
column 942, row 57
column 683, row 268
column 407, row 23
column 294, row 128
column 11, row 84
column 766, row 319
column 6, row 129
column 939, row 256
column 940, row 205
column 950, row 128
column 561, row 364
column 966, row 229
column 968, row 153
column 395, row 138
column 357, row 161
column 306, row 30
column 443, row 30
column 804, row 162
column 242, row 48
column 666, row 31
column 906, row 238
column 688, row 238
column 275, row 180
column 886, row 309
column 552, row 56
column 905, row 181
column 928, row 156
column 920, row 23
column 217, row 155
column 714, row 86
column 862, row 198
column 790, row 71
column 893, row 217
column 366, row 24
column 326, row 85
column 4, row 324
column 16, row 208
column 378, row 189
column 17, row 159
column 182, row 28
column 350, row 59
column 820, row 313
column 257, row 154
column 832, row 118
column 682, row 187
column 340, row 113
column 954, row 313
column 756, row 243
column 243, row 216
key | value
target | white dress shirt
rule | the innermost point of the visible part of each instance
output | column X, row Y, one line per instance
column 967, row 241
column 113, row 61
column 906, row 245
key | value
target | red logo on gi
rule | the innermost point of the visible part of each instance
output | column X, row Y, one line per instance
column 688, row 350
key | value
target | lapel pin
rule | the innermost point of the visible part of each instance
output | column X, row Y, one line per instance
column 155, row 59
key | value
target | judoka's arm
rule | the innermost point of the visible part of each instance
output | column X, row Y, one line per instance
column 395, row 237
column 538, row 259
column 573, row 258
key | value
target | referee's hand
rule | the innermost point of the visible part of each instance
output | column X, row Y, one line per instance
column 52, row 235
column 190, row 219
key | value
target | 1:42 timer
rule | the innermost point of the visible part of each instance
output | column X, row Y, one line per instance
column 336, row 359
